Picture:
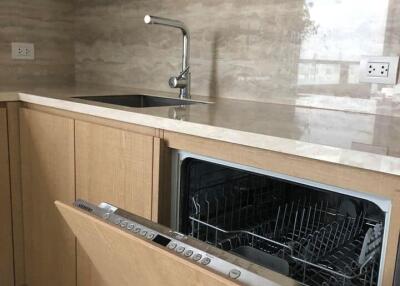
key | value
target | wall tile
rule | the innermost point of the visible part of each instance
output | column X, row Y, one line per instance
column 49, row 24
column 249, row 49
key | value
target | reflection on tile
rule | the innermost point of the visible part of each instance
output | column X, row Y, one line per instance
column 345, row 29
column 318, row 74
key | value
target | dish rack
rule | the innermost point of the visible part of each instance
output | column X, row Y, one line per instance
column 315, row 240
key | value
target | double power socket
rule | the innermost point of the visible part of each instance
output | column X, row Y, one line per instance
column 22, row 51
column 379, row 69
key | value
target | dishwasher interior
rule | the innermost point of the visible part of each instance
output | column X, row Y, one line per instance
column 313, row 235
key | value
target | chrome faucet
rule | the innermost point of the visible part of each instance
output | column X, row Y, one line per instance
column 182, row 81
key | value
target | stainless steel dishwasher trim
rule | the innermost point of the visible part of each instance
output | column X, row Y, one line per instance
column 176, row 162
column 178, row 156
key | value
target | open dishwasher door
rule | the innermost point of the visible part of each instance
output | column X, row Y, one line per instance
column 130, row 250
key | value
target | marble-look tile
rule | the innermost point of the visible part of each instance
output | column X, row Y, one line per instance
column 49, row 25
column 292, row 52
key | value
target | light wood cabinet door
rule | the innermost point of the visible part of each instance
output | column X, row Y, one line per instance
column 114, row 166
column 6, row 246
column 47, row 167
column 125, row 259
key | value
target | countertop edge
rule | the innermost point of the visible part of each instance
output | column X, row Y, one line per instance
column 352, row 158
column 9, row 96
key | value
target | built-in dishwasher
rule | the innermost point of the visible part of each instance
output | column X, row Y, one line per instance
column 314, row 233
column 238, row 225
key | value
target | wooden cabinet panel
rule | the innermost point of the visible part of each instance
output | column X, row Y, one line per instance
column 127, row 260
column 6, row 246
column 16, row 191
column 115, row 166
column 47, row 159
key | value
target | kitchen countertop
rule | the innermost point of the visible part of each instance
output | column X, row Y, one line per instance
column 363, row 140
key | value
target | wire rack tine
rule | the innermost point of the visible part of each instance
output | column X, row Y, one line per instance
column 320, row 243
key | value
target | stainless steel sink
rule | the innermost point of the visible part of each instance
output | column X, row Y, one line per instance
column 139, row 100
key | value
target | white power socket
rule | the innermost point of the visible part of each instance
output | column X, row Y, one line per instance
column 379, row 69
column 22, row 51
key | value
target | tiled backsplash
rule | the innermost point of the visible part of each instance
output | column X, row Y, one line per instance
column 49, row 25
column 291, row 51
column 249, row 49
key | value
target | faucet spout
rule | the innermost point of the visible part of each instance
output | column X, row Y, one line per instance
column 183, row 80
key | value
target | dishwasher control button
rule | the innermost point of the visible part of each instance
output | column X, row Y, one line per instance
column 172, row 245
column 106, row 215
column 180, row 249
column 150, row 235
column 117, row 221
column 188, row 253
column 130, row 226
column 205, row 261
column 137, row 229
column 197, row 257
column 143, row 232
column 234, row 274
column 124, row 223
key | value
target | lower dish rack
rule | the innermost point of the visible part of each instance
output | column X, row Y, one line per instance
column 307, row 238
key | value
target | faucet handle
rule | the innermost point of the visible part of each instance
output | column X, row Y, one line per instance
column 176, row 82
column 179, row 81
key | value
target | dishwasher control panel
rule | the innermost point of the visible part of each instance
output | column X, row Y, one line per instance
column 172, row 241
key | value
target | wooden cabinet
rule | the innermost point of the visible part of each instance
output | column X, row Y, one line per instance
column 6, row 244
column 63, row 158
column 114, row 166
column 48, row 174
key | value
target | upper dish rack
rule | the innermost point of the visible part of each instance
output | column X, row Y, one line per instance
column 317, row 243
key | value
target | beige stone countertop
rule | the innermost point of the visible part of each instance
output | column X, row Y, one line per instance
column 361, row 140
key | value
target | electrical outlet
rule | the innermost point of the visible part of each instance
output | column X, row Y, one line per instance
column 22, row 51
column 379, row 69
